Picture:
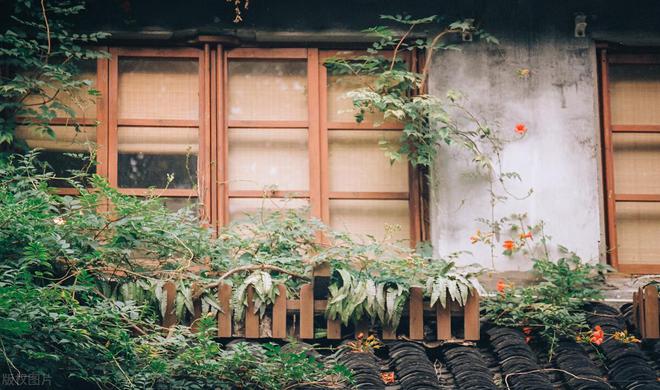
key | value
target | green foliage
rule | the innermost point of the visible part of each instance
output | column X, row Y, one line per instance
column 39, row 58
column 373, row 280
column 394, row 90
column 552, row 307
column 195, row 361
column 82, row 290
column 45, row 331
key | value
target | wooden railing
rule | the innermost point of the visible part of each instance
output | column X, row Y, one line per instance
column 300, row 318
column 646, row 315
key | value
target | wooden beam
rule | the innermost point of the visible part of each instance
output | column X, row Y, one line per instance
column 157, row 52
column 635, row 128
column 639, row 269
column 610, row 211
column 188, row 123
column 266, row 124
column 268, row 194
column 366, row 126
column 369, row 195
column 637, row 197
column 267, row 54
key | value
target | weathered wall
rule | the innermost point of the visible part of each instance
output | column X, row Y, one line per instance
column 558, row 158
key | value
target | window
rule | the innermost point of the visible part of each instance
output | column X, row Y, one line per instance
column 631, row 123
column 157, row 127
column 244, row 129
column 76, row 141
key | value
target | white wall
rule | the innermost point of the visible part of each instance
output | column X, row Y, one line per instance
column 559, row 157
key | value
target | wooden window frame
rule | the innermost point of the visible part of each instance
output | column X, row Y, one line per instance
column 203, row 190
column 318, row 127
column 607, row 58
column 311, row 125
column 213, row 124
column 100, row 122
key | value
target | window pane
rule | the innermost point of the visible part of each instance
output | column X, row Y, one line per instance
column 636, row 163
column 361, row 217
column 148, row 154
column 268, row 157
column 176, row 204
column 242, row 208
column 267, row 90
column 70, row 150
column 638, row 229
column 635, row 94
column 357, row 162
column 158, row 88
column 80, row 101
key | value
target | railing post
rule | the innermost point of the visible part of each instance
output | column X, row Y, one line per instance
column 224, row 315
column 279, row 314
column 471, row 317
column 651, row 320
column 251, row 318
column 416, row 313
column 443, row 320
column 169, row 319
column 307, row 312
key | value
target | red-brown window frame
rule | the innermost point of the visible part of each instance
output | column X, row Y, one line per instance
column 214, row 126
column 611, row 196
column 318, row 126
column 99, row 122
column 203, row 192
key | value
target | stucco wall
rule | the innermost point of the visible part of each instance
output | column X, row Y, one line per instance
column 559, row 158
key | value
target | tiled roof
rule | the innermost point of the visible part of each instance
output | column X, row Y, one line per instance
column 503, row 360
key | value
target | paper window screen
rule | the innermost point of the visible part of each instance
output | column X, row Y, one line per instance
column 147, row 155
column 357, row 162
column 67, row 138
column 340, row 104
column 362, row 217
column 158, row 88
column 158, row 140
column 80, row 101
column 267, row 90
column 636, row 163
column 635, row 94
column 260, row 158
column 241, row 209
column 638, row 229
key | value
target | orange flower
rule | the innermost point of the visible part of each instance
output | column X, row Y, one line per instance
column 526, row 235
column 501, row 286
column 387, row 377
column 528, row 339
column 476, row 238
column 597, row 335
column 509, row 245
column 527, row 330
column 521, row 128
